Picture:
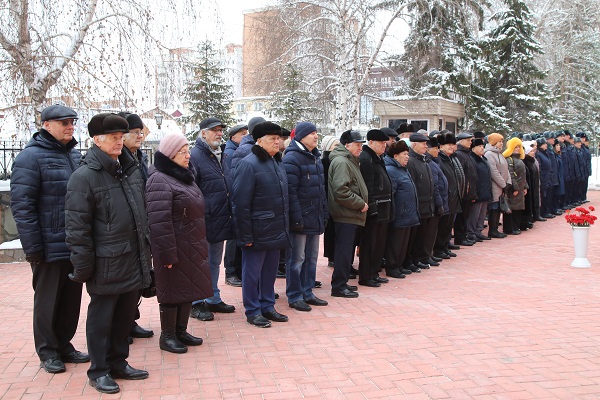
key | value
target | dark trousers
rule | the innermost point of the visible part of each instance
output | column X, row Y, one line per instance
column 109, row 320
column 412, row 237
column 232, row 259
column 460, row 222
column 372, row 249
column 444, row 233
column 569, row 198
column 259, row 271
column 345, row 235
column 396, row 247
column 56, row 306
column 329, row 240
column 547, row 200
column 425, row 236
column 511, row 222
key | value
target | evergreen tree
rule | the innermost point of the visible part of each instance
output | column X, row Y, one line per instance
column 208, row 94
column 292, row 104
column 516, row 84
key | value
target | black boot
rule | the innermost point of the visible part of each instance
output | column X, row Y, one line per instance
column 168, row 340
column 183, row 312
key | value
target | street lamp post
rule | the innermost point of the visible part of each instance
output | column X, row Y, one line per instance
column 159, row 119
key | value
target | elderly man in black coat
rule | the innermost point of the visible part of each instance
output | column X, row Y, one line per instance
column 469, row 194
column 261, row 212
column 107, row 233
column 38, row 186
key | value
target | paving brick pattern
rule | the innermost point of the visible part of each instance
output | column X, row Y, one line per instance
column 506, row 319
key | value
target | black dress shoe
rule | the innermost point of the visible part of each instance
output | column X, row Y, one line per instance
column 53, row 365
column 139, row 332
column 75, row 357
column 369, row 283
column 436, row 258
column 318, row 284
column 200, row 312
column 515, row 232
column 129, row 339
column 548, row 216
column 497, row 235
column 395, row 274
column 453, row 246
column 443, row 256
column 220, row 308
column 276, row 296
column 466, row 243
column 347, row 293
column 259, row 320
column 233, row 281
column 540, row 219
column 381, row 279
column 416, row 269
column 483, row 237
column 275, row 316
column 353, row 288
column 451, row 254
column 422, row 265
column 404, row 271
column 129, row 373
column 352, row 276
column 105, row 384
column 300, row 305
column 433, row 263
column 315, row 301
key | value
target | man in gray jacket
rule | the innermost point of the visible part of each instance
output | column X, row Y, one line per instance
column 107, row 232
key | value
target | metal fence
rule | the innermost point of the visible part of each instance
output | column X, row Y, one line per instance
column 10, row 149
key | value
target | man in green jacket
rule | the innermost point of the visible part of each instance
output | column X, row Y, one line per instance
column 348, row 205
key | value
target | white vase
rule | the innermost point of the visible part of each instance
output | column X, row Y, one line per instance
column 581, row 236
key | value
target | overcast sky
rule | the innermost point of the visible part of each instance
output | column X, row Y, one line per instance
column 231, row 12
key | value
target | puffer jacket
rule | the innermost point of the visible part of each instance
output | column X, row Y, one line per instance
column 106, row 224
column 580, row 165
column 211, row 180
column 260, row 201
column 306, row 188
column 242, row 151
column 38, row 186
column 406, row 203
column 468, row 165
column 447, row 167
column 484, row 179
column 547, row 177
column 177, row 233
column 378, row 185
column 440, row 185
column 423, row 177
column 347, row 190
column 569, row 160
column 518, row 174
column 499, row 170
column 587, row 157
column 226, row 156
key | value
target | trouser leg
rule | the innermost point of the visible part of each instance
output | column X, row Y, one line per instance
column 344, row 249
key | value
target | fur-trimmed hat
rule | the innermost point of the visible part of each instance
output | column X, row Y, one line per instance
column 105, row 123
column 477, row 142
column 397, row 148
column 266, row 128
column 433, row 142
column 510, row 147
column 253, row 122
column 446, row 138
column 403, row 128
column 171, row 144
column 351, row 137
column 377, row 135
column 134, row 120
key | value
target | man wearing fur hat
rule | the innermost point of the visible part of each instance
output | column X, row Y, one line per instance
column 469, row 194
column 308, row 215
column 215, row 185
column 260, row 209
column 107, row 233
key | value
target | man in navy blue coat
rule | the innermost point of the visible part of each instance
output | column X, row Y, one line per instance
column 260, row 209
column 308, row 213
column 38, row 187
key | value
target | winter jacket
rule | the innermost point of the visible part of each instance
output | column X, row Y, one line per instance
column 242, row 151
column 484, row 179
column 532, row 199
column 440, row 186
column 177, row 233
column 468, row 164
column 215, row 187
column 106, row 224
column 379, row 187
column 499, row 170
column 306, row 189
column 580, row 165
column 230, row 148
column 260, row 201
column 547, row 176
column 348, row 192
column 447, row 167
column 560, row 188
column 587, row 157
column 517, row 171
column 404, row 193
column 554, row 166
column 423, row 177
column 569, row 160
column 141, row 159
column 38, row 185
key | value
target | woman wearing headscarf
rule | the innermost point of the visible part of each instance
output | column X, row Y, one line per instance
column 515, row 195
column 175, row 207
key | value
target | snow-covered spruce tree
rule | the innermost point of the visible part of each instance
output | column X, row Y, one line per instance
column 291, row 103
column 517, row 83
column 208, row 94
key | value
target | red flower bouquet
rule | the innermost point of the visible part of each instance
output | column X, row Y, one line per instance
column 582, row 216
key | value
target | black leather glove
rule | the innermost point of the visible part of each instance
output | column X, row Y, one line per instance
column 35, row 258
column 297, row 228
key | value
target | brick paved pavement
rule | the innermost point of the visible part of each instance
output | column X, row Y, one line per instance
column 507, row 319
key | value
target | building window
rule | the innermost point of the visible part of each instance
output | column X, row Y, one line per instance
column 420, row 124
column 451, row 126
column 241, row 107
column 258, row 106
column 395, row 123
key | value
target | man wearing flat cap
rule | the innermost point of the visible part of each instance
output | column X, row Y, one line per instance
column 348, row 204
column 469, row 194
column 216, row 187
column 38, row 186
column 107, row 233
column 379, row 189
column 261, row 212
